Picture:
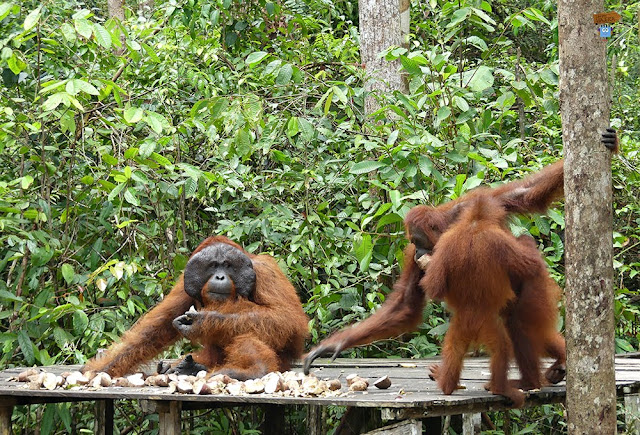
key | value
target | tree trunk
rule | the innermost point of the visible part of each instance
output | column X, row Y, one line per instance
column 585, row 106
column 380, row 28
column 116, row 9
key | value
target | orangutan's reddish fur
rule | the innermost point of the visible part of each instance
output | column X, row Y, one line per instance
column 402, row 311
column 478, row 267
column 530, row 317
column 255, row 337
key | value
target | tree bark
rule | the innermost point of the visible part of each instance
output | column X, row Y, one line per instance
column 380, row 28
column 116, row 9
column 585, row 107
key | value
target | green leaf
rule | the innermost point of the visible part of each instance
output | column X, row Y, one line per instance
column 103, row 38
column 410, row 66
column 340, row 94
column 327, row 103
column 425, row 165
column 396, row 199
column 388, row 219
column 80, row 322
column 549, row 77
column 131, row 198
column 109, row 159
column 64, row 413
column 53, row 85
column 393, row 137
column 535, row 14
column 252, row 109
column 280, row 156
column 477, row 42
column 68, row 273
column 307, row 131
column 6, row 295
column 443, row 113
column 68, row 32
column 83, row 27
column 439, row 330
column 363, row 249
column 455, row 156
column 293, row 126
column 190, row 188
column 46, row 424
column 542, row 224
column 115, row 191
column 459, row 16
column 366, row 167
column 32, row 19
column 31, row 214
column 623, row 345
column 243, row 142
column 41, row 255
column 16, row 65
column 68, row 122
column 161, row 160
column 284, row 75
column 255, row 58
column 131, row 153
column 26, row 346
column 82, row 13
column 155, row 121
column 133, row 114
column 481, row 78
column 68, row 100
column 152, row 54
column 506, row 100
column 147, row 147
column 61, row 337
column 5, row 9
column 75, row 86
column 26, row 181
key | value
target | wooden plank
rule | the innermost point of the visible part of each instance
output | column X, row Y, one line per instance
column 104, row 417
column 407, row 427
column 453, row 408
column 411, row 389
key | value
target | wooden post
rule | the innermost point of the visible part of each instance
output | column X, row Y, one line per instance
column 169, row 417
column 471, row 424
column 5, row 419
column 315, row 420
column 104, row 417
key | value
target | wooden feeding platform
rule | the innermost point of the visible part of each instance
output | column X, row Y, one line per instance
column 412, row 401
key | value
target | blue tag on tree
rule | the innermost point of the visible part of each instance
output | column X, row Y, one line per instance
column 605, row 31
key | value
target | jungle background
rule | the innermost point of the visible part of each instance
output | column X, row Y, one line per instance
column 124, row 144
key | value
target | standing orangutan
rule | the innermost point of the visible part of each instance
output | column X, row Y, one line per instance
column 251, row 323
column 402, row 311
column 476, row 263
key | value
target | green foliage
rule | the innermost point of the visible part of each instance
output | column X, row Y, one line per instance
column 122, row 145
